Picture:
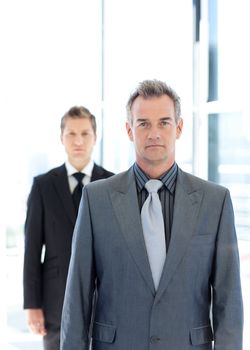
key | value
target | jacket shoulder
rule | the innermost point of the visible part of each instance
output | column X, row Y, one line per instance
column 195, row 182
column 100, row 173
column 45, row 177
column 113, row 181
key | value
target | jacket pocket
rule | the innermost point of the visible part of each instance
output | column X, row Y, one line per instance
column 201, row 335
column 202, row 239
column 104, row 332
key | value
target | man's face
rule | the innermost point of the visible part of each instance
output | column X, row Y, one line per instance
column 154, row 131
column 78, row 139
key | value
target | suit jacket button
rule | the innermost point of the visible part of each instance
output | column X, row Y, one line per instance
column 154, row 339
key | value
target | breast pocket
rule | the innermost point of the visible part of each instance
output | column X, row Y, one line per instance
column 202, row 239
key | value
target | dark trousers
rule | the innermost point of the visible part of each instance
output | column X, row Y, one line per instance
column 51, row 341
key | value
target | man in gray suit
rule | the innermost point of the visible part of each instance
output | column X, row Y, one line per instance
column 197, row 303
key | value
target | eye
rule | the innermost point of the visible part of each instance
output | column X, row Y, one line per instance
column 165, row 122
column 86, row 134
column 143, row 124
column 71, row 134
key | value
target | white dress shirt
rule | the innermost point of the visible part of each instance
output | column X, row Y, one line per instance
column 87, row 170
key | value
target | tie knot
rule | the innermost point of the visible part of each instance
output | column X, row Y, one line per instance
column 153, row 186
column 79, row 176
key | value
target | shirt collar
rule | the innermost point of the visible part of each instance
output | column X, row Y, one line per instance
column 87, row 170
column 168, row 178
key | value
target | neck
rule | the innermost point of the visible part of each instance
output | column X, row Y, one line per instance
column 79, row 164
column 153, row 171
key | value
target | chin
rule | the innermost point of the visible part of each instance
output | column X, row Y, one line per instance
column 156, row 158
column 79, row 155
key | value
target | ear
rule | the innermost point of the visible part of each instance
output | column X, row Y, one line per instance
column 179, row 128
column 129, row 131
column 61, row 138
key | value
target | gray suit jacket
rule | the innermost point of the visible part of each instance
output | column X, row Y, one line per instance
column 201, row 271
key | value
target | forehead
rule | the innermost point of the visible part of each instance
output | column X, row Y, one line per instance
column 162, row 106
column 77, row 124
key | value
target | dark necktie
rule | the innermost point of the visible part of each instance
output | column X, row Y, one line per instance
column 77, row 193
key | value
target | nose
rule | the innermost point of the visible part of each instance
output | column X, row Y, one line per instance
column 154, row 133
column 78, row 140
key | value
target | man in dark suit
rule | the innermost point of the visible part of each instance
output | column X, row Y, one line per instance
column 51, row 215
column 182, row 297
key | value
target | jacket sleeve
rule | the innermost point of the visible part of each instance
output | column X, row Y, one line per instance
column 77, row 309
column 227, row 306
column 32, row 268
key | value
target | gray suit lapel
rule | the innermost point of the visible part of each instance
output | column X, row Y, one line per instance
column 187, row 203
column 126, row 208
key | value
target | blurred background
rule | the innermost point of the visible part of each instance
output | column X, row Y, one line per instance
column 60, row 53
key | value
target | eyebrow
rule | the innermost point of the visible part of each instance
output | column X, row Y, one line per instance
column 141, row 119
column 145, row 119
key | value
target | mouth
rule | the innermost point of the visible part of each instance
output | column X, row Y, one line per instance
column 78, row 150
column 154, row 146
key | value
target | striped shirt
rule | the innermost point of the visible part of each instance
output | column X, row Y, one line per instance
column 166, row 194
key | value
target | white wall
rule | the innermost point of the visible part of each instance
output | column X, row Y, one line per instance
column 51, row 59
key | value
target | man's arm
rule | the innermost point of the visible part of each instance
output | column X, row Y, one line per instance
column 77, row 309
column 227, row 299
column 32, row 271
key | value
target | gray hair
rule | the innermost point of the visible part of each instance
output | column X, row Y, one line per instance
column 153, row 88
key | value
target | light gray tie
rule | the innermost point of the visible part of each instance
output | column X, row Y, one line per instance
column 153, row 230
